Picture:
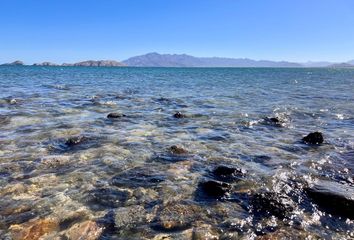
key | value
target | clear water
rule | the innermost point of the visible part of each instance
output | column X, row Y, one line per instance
column 126, row 163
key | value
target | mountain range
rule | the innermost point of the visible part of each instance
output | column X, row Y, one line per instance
column 184, row 60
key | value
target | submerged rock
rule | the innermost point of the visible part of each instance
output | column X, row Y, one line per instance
column 115, row 115
column 137, row 177
column 130, row 217
column 205, row 232
column 4, row 120
column 88, row 230
column 314, row 138
column 73, row 141
column 177, row 150
column 33, row 229
column 177, row 216
column 224, row 173
column 333, row 198
column 215, row 189
column 179, row 115
column 271, row 203
column 106, row 197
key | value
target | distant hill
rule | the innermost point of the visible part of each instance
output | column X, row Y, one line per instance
column 183, row 60
column 317, row 64
column 100, row 63
column 15, row 63
column 342, row 65
column 45, row 64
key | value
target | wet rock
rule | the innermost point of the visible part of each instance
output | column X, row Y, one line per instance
column 275, row 121
column 177, row 150
column 88, row 230
column 214, row 189
column 54, row 161
column 106, row 197
column 177, row 216
column 224, row 173
column 130, row 217
column 313, row 138
column 334, row 198
column 115, row 115
column 179, row 115
column 73, row 141
column 271, row 203
column 34, row 229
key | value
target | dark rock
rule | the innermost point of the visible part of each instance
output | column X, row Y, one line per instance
column 313, row 138
column 334, row 198
column 73, row 141
column 224, row 173
column 179, row 115
column 115, row 115
column 215, row 189
column 271, row 203
column 177, row 150
column 274, row 121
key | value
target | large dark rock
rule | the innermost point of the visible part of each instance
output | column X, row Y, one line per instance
column 334, row 198
column 224, row 173
column 313, row 138
column 214, row 189
column 115, row 115
column 271, row 203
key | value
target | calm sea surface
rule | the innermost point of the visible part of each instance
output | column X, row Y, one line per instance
column 65, row 166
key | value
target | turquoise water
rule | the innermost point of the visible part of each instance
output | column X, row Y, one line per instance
column 125, row 164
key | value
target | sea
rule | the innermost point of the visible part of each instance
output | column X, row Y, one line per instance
column 188, row 153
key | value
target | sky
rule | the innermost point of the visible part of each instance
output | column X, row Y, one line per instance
column 75, row 30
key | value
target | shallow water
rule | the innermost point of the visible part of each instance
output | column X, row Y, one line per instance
column 124, row 166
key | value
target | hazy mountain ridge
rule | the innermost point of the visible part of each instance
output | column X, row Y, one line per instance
column 183, row 60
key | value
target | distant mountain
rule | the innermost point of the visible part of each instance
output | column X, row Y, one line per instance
column 100, row 63
column 351, row 62
column 15, row 63
column 183, row 60
column 342, row 65
column 317, row 64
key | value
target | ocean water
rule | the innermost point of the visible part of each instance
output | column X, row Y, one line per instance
column 121, row 178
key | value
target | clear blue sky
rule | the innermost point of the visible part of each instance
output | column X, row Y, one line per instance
column 73, row 30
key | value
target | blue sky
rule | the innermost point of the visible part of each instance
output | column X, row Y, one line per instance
column 74, row 30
